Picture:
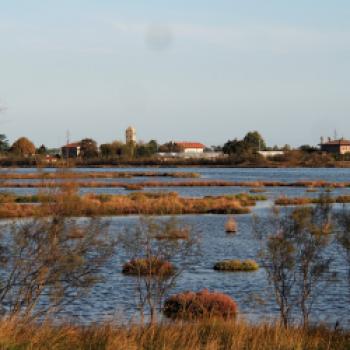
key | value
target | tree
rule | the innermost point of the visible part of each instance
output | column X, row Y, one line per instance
column 4, row 144
column 343, row 236
column 88, row 148
column 253, row 140
column 279, row 260
column 23, row 147
column 234, row 147
column 42, row 150
column 153, row 146
column 107, row 150
column 308, row 149
column 295, row 258
column 47, row 263
column 153, row 247
column 147, row 150
column 169, row 147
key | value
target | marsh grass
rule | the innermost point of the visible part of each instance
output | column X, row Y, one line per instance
column 69, row 203
column 236, row 265
column 284, row 201
column 148, row 266
column 212, row 334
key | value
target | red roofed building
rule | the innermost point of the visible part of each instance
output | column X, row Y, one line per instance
column 190, row 147
column 71, row 150
column 336, row 146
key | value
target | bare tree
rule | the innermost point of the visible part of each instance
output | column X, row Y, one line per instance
column 159, row 251
column 48, row 263
column 310, row 238
column 279, row 260
column 295, row 259
column 343, row 235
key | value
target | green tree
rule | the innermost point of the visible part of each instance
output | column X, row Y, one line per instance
column 88, row 148
column 234, row 147
column 107, row 150
column 23, row 147
column 253, row 140
column 4, row 144
column 42, row 150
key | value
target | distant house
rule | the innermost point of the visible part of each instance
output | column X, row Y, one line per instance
column 71, row 150
column 268, row 154
column 190, row 147
column 336, row 146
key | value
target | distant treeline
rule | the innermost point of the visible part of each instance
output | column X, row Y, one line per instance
column 234, row 153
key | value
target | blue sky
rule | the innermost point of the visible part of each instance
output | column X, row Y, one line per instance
column 176, row 70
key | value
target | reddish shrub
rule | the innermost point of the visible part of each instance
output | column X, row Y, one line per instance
column 203, row 304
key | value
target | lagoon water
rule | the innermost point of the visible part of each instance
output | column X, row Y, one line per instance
column 254, row 296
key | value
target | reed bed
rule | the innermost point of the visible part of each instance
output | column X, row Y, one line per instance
column 137, row 203
column 94, row 175
column 212, row 334
column 197, row 183
column 284, row 201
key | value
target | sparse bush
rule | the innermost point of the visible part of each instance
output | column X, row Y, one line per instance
column 203, row 304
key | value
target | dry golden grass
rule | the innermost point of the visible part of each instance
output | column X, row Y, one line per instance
column 69, row 203
column 212, row 334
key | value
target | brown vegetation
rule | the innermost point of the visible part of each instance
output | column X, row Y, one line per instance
column 200, row 305
column 148, row 266
column 138, row 203
column 236, row 265
column 307, row 200
column 204, row 335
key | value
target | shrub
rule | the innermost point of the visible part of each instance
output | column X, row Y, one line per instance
column 203, row 304
column 236, row 265
column 148, row 267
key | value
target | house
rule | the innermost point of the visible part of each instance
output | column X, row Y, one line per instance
column 190, row 147
column 335, row 146
column 71, row 150
column 270, row 154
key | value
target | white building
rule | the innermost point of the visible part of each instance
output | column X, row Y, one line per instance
column 190, row 147
column 130, row 135
column 268, row 154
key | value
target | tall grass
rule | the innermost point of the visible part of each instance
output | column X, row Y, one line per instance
column 212, row 334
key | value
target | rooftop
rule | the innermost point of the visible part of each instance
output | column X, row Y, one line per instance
column 72, row 145
column 340, row 142
column 190, row 144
